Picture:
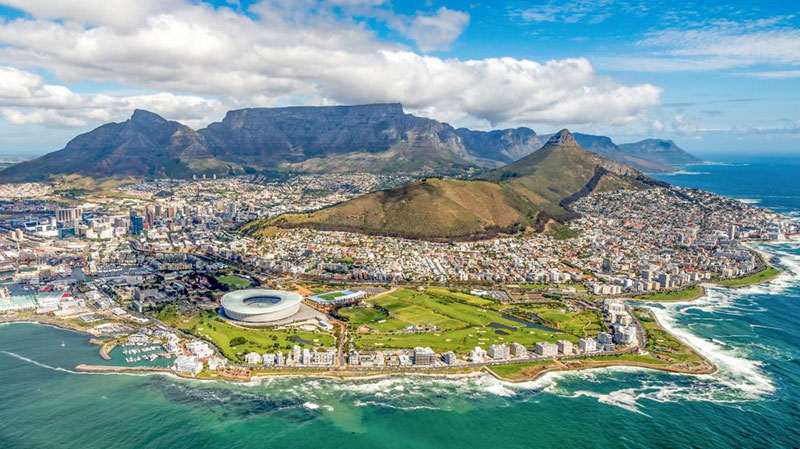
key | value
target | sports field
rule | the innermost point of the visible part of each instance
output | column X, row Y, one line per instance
column 331, row 296
column 234, row 282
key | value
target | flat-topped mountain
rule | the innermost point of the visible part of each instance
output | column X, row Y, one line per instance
column 375, row 138
column 532, row 193
column 378, row 138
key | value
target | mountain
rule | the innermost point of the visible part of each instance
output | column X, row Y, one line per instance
column 531, row 193
column 144, row 145
column 375, row 138
column 378, row 138
column 506, row 145
column 661, row 151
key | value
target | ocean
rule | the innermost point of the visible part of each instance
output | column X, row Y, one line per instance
column 751, row 334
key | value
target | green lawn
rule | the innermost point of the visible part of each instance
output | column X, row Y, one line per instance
column 661, row 342
column 460, row 341
column 209, row 326
column 582, row 323
column 234, row 282
column 331, row 296
column 762, row 276
column 685, row 294
column 521, row 371
column 463, row 322
column 356, row 316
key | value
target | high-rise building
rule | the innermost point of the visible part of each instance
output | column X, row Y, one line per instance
column 68, row 215
column 546, row 349
column 424, row 356
column 499, row 352
column 565, row 347
column 137, row 224
column 518, row 350
column 587, row 344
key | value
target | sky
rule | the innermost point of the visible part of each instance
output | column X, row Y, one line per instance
column 716, row 78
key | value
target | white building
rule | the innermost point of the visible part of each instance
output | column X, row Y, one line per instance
column 199, row 349
column 565, row 347
column 518, row 350
column 499, row 352
column 587, row 345
column 477, row 355
column 252, row 358
column 323, row 358
column 187, row 364
column 545, row 349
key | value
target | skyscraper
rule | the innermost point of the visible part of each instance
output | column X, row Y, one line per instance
column 137, row 224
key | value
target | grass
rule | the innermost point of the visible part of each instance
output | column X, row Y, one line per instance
column 463, row 322
column 764, row 275
column 356, row 316
column 234, row 282
column 581, row 323
column 684, row 294
column 331, row 296
column 521, row 371
column 661, row 342
column 534, row 286
column 209, row 326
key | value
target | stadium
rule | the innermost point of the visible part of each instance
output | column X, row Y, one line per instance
column 260, row 305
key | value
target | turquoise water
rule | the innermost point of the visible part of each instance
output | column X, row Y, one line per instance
column 752, row 401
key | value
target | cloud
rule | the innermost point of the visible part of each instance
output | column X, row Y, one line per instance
column 26, row 99
column 433, row 32
column 718, row 44
column 275, row 55
column 774, row 74
column 581, row 11
column 787, row 129
column 120, row 13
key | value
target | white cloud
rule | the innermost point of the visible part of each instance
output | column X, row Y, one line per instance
column 719, row 44
column 436, row 31
column 290, row 56
column 25, row 98
column 774, row 74
column 594, row 11
column 121, row 13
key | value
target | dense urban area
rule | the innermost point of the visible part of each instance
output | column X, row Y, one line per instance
column 143, row 269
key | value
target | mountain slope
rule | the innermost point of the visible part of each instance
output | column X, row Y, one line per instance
column 144, row 145
column 376, row 138
column 661, row 151
column 528, row 194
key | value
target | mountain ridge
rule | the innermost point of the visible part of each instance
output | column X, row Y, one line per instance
column 377, row 138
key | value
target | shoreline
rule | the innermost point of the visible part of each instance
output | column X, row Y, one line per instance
column 559, row 365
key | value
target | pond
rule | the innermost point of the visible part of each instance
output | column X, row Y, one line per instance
column 530, row 324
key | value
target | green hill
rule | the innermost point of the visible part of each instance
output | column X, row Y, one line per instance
column 530, row 194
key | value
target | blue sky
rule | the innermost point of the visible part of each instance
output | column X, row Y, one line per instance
column 716, row 79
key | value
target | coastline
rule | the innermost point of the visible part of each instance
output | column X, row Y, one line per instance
column 560, row 365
